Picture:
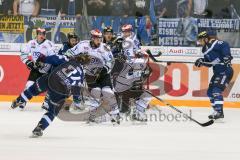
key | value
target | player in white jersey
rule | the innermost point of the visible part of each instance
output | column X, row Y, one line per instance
column 31, row 52
column 98, row 72
column 134, row 71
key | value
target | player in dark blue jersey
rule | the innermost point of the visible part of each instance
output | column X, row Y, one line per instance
column 64, row 80
column 72, row 41
column 217, row 55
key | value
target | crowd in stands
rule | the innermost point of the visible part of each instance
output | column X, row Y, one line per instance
column 162, row 8
column 142, row 14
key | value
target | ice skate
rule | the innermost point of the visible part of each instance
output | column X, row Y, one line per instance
column 139, row 116
column 116, row 119
column 18, row 103
column 216, row 115
column 37, row 132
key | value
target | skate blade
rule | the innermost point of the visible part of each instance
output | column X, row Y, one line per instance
column 138, row 122
column 220, row 120
column 116, row 123
column 34, row 136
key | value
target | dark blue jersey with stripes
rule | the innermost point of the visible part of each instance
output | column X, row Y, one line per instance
column 216, row 52
column 67, row 78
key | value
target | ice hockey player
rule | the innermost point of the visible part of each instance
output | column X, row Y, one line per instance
column 108, row 36
column 218, row 53
column 134, row 72
column 98, row 72
column 64, row 80
column 31, row 52
column 72, row 41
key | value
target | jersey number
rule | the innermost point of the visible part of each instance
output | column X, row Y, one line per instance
column 69, row 71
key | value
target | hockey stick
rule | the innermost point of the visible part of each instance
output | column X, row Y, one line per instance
column 151, row 55
column 179, row 111
column 168, row 62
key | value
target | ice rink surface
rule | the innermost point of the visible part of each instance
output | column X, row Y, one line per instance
column 156, row 140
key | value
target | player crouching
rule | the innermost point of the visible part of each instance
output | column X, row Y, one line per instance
column 134, row 73
column 98, row 73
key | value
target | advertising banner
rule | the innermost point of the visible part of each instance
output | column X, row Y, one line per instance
column 11, row 29
column 12, row 24
column 183, row 31
column 183, row 83
column 13, row 75
column 56, row 27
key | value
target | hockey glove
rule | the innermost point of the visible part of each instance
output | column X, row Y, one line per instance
column 118, row 44
column 104, row 71
column 40, row 61
column 199, row 62
column 30, row 64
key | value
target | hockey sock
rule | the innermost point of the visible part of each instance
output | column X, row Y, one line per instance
column 46, row 120
column 218, row 99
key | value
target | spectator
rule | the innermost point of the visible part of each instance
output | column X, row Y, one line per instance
column 235, row 8
column 199, row 8
column 72, row 7
column 209, row 14
column 52, row 7
column 78, row 8
column 160, row 8
column 6, row 7
column 139, row 7
column 221, row 10
column 119, row 8
column 26, row 7
column 179, row 8
column 98, row 7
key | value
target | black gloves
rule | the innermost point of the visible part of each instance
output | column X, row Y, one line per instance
column 199, row 62
column 40, row 61
column 30, row 64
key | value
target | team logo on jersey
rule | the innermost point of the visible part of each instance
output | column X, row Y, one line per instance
column 94, row 60
column 86, row 48
column 36, row 54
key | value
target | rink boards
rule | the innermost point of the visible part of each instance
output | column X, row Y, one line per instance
column 180, row 83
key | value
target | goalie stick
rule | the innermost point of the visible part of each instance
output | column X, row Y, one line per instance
column 179, row 111
column 168, row 62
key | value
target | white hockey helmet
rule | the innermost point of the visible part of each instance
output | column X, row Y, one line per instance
column 96, row 33
column 41, row 30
